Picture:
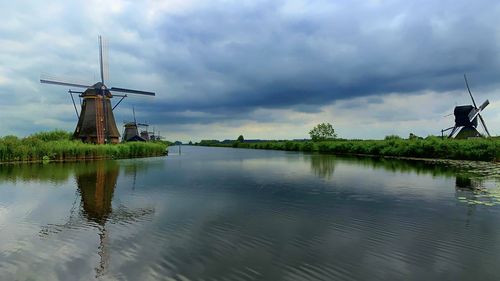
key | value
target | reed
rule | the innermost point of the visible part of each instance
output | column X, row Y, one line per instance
column 430, row 147
column 58, row 145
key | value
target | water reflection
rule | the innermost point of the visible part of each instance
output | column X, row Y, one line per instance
column 96, row 184
column 323, row 165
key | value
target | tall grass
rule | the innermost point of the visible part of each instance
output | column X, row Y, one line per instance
column 430, row 147
column 57, row 145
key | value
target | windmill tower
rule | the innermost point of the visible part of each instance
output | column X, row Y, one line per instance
column 466, row 119
column 96, row 122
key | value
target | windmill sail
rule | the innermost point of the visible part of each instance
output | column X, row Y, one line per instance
column 62, row 83
column 475, row 111
column 130, row 91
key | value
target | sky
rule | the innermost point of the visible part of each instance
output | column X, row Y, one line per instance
column 263, row 69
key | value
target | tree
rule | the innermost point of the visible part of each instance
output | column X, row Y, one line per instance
column 240, row 138
column 322, row 132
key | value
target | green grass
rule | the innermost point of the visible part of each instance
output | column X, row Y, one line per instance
column 58, row 145
column 430, row 147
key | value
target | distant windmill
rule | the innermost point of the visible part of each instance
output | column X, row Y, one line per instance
column 131, row 132
column 466, row 119
column 96, row 122
column 155, row 136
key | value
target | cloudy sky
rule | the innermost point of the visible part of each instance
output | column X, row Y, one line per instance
column 264, row 69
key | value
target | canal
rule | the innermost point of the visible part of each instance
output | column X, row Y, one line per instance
column 236, row 214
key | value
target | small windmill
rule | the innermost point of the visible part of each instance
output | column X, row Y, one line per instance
column 145, row 133
column 466, row 118
column 96, row 122
column 131, row 132
column 155, row 135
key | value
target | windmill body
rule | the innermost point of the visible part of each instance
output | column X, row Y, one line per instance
column 96, row 121
column 131, row 132
column 466, row 128
column 145, row 135
column 96, row 118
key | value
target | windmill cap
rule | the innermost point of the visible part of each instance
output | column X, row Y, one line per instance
column 93, row 90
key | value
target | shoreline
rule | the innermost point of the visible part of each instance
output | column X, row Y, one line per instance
column 77, row 159
column 432, row 148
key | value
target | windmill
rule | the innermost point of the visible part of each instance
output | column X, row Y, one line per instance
column 145, row 133
column 96, row 122
column 131, row 132
column 466, row 118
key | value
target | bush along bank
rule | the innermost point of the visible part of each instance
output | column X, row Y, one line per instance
column 58, row 146
column 430, row 147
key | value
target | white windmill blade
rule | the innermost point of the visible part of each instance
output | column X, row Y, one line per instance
column 475, row 111
column 455, row 131
column 101, row 59
column 473, row 114
column 105, row 58
column 484, row 105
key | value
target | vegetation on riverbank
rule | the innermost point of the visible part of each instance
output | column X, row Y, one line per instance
column 58, row 146
column 430, row 147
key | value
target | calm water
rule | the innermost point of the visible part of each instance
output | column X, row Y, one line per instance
column 229, row 214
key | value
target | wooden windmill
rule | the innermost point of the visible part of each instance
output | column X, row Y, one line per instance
column 96, row 122
column 466, row 119
column 131, row 131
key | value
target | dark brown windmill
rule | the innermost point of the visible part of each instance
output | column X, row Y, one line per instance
column 96, row 122
column 466, row 119
column 131, row 131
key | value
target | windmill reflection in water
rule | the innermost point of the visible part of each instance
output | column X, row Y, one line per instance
column 96, row 187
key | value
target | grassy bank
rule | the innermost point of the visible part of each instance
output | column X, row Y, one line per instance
column 58, row 146
column 430, row 147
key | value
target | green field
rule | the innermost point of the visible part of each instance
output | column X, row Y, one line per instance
column 430, row 147
column 58, row 146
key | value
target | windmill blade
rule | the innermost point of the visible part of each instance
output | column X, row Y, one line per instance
column 484, row 125
column 105, row 58
column 142, row 124
column 455, row 132
column 475, row 111
column 473, row 114
column 62, row 83
column 484, row 105
column 133, row 110
column 468, row 89
column 129, row 91
column 101, row 66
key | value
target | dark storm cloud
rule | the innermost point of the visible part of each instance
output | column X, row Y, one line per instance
column 236, row 58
